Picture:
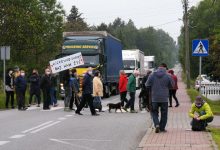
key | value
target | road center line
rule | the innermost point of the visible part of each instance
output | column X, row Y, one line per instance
column 69, row 115
column 17, row 136
column 79, row 146
column 43, row 124
column 91, row 140
column 47, row 126
column 3, row 142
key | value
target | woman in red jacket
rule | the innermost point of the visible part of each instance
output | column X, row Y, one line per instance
column 172, row 92
column 123, row 87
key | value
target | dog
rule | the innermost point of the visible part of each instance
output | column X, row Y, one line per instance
column 114, row 106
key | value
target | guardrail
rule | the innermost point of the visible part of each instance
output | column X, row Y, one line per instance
column 211, row 91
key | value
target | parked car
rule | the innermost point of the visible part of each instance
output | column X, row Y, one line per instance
column 204, row 80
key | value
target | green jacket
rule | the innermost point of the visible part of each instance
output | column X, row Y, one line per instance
column 131, row 86
column 205, row 108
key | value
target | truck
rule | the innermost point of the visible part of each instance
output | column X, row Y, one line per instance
column 101, row 51
column 133, row 59
column 149, row 63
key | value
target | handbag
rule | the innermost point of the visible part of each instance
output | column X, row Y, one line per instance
column 198, row 125
column 97, row 102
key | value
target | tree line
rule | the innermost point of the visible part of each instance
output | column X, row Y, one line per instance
column 204, row 23
column 34, row 30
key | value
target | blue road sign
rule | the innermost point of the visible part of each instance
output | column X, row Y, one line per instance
column 200, row 48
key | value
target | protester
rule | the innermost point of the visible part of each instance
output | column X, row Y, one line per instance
column 87, row 90
column 45, row 85
column 123, row 81
column 74, row 85
column 97, row 89
column 68, row 89
column 160, row 82
column 53, row 90
column 201, row 113
column 20, row 88
column 9, row 89
column 35, row 87
column 144, row 94
column 131, row 88
column 172, row 92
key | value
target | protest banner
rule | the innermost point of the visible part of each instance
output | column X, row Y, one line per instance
column 67, row 62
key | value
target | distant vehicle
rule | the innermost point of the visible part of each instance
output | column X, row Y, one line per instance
column 149, row 63
column 134, row 60
column 204, row 80
column 101, row 51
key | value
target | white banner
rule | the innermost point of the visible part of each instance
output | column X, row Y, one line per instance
column 67, row 62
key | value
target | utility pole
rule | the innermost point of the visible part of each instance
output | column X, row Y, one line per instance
column 186, row 33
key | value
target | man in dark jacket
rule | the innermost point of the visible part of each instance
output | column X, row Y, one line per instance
column 144, row 94
column 160, row 82
column 35, row 87
column 20, row 87
column 45, row 85
column 87, row 90
column 9, row 89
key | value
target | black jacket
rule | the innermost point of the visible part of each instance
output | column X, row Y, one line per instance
column 87, row 86
column 34, row 82
column 45, row 83
column 9, row 81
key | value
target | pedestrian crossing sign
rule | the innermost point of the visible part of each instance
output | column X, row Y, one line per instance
column 200, row 48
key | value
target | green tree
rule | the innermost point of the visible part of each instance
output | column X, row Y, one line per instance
column 75, row 22
column 33, row 29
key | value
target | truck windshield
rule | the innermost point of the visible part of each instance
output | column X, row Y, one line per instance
column 91, row 60
column 129, row 64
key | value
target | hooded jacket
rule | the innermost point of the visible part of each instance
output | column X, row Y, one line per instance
column 204, row 111
column 160, row 82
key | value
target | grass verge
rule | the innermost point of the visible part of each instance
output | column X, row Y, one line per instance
column 216, row 135
column 215, row 105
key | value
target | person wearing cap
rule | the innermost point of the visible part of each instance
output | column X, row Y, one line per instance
column 201, row 111
column 159, row 83
column 131, row 88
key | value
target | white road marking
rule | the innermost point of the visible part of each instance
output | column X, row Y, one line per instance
column 43, row 124
column 34, row 108
column 3, row 142
column 69, row 115
column 61, row 118
column 74, row 145
column 47, row 126
column 17, row 136
column 91, row 140
column 53, row 108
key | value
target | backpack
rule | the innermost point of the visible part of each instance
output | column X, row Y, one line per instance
column 198, row 125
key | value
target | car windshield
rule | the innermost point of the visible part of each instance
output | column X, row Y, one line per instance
column 129, row 64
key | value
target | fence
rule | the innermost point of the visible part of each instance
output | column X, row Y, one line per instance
column 211, row 91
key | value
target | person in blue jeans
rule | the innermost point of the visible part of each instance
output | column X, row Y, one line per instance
column 159, row 83
column 53, row 90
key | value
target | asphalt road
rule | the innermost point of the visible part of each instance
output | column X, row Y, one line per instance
column 55, row 129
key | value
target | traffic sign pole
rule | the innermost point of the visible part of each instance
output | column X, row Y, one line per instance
column 200, row 73
column 4, row 68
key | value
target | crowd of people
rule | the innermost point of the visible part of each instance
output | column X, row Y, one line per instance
column 157, row 90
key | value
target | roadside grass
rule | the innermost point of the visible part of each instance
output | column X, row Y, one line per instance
column 216, row 135
column 215, row 105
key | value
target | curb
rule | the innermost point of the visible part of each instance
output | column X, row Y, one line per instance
column 144, row 139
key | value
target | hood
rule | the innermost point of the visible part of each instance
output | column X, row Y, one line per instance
column 160, row 72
